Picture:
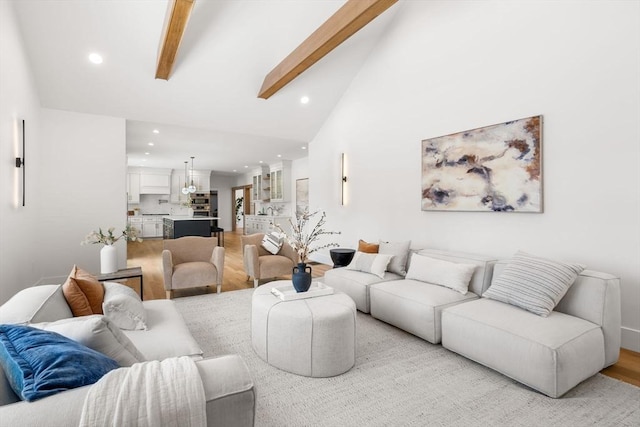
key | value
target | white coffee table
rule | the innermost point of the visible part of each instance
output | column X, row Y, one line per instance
column 314, row 337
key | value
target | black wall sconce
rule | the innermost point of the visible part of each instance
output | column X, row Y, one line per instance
column 343, row 177
column 20, row 164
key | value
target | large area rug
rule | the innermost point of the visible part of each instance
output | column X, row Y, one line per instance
column 398, row 380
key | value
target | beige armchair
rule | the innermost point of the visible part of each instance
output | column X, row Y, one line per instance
column 191, row 262
column 261, row 264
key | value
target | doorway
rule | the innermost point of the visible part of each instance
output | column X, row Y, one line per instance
column 240, row 205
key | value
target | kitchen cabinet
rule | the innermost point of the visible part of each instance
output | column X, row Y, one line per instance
column 152, row 183
column 261, row 184
column 264, row 223
column 281, row 181
column 133, row 188
column 152, row 226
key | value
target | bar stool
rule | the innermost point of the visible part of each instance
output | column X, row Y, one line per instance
column 219, row 233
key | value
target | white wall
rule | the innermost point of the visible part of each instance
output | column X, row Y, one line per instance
column 83, row 188
column 18, row 100
column 445, row 67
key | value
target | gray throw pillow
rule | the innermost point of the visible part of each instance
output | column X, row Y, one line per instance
column 400, row 252
column 533, row 283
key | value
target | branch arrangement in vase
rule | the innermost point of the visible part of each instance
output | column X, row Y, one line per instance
column 129, row 234
column 301, row 240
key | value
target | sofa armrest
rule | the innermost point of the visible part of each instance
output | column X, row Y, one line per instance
column 251, row 262
column 595, row 297
column 217, row 259
column 229, row 391
column 167, row 269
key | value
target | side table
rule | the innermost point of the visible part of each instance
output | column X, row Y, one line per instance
column 125, row 273
column 341, row 257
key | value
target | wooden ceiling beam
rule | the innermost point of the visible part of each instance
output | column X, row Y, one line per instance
column 178, row 12
column 350, row 18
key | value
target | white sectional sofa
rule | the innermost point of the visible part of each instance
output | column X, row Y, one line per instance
column 229, row 391
column 552, row 354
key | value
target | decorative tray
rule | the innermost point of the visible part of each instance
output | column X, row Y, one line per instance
column 288, row 293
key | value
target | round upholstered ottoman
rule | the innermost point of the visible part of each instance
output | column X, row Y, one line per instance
column 314, row 337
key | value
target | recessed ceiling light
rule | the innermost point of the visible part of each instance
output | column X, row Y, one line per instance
column 156, row 131
column 279, row 155
column 304, row 148
column 304, row 100
column 246, row 166
column 95, row 58
column 235, row 170
column 150, row 144
column 260, row 161
column 144, row 160
column 147, row 153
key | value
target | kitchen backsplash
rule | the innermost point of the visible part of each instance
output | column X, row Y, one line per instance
column 159, row 205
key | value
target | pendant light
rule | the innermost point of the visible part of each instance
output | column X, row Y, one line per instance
column 192, row 188
column 185, row 189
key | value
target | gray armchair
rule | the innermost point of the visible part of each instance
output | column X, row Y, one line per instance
column 191, row 262
column 261, row 264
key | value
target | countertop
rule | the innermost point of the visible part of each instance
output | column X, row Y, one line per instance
column 191, row 218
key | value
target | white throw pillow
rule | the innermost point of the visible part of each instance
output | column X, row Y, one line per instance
column 533, row 283
column 439, row 272
column 98, row 333
column 43, row 303
column 370, row 263
column 400, row 252
column 272, row 243
column 123, row 307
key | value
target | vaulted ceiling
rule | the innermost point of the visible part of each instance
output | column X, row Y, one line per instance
column 209, row 106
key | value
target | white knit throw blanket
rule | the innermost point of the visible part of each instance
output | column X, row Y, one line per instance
column 154, row 393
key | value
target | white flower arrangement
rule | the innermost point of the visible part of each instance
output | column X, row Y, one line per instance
column 130, row 234
column 301, row 240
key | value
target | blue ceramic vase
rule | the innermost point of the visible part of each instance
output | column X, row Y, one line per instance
column 301, row 277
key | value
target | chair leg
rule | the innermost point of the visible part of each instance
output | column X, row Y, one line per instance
column 169, row 294
column 255, row 283
column 219, row 287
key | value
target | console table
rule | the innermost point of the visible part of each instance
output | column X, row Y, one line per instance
column 125, row 273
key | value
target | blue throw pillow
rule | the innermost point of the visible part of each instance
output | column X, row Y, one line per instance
column 40, row 363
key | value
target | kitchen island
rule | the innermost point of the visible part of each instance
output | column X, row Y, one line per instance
column 180, row 226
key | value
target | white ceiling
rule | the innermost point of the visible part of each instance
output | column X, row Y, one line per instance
column 209, row 107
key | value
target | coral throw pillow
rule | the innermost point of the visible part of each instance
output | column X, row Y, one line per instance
column 368, row 248
column 83, row 292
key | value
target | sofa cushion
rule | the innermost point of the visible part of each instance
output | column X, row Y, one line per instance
column 451, row 275
column 83, row 292
column 533, row 283
column 123, row 306
column 414, row 306
column 272, row 242
column 44, row 303
column 368, row 248
column 98, row 333
column 400, row 252
column 41, row 363
column 550, row 354
column 370, row 263
column 356, row 284
column 166, row 335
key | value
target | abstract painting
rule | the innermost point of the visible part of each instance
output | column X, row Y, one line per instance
column 302, row 195
column 495, row 168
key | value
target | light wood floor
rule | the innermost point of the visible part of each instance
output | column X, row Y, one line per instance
column 148, row 255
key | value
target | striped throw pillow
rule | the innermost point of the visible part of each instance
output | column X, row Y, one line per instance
column 272, row 242
column 533, row 283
